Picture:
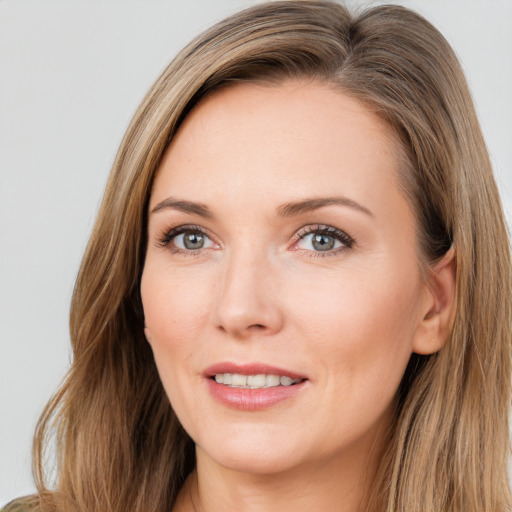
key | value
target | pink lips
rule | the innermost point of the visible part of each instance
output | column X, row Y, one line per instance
column 251, row 399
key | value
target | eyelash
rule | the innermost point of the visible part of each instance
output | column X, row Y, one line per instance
column 168, row 235
column 322, row 229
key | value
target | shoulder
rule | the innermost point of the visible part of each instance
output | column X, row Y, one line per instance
column 25, row 504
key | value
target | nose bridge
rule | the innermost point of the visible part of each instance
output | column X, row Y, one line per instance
column 246, row 301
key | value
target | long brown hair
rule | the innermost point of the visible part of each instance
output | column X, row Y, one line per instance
column 119, row 445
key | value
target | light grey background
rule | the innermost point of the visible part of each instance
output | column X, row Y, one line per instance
column 72, row 73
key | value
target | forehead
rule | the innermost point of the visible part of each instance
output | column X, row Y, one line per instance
column 299, row 138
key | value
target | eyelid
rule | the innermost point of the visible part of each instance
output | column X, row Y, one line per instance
column 347, row 240
column 169, row 233
column 165, row 236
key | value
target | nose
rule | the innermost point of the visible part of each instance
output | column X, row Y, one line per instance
column 247, row 302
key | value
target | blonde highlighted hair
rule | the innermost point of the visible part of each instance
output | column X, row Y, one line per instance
column 119, row 444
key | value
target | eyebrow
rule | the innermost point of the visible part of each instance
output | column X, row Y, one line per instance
column 183, row 206
column 308, row 205
column 286, row 210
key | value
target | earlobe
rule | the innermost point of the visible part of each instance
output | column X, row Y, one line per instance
column 440, row 306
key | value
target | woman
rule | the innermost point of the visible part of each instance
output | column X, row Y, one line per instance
column 288, row 300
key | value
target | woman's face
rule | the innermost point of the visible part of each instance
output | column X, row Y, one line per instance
column 281, row 288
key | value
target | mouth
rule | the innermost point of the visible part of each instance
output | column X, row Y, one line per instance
column 252, row 387
column 257, row 381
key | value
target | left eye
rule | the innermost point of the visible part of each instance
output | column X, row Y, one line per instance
column 318, row 242
column 192, row 240
column 323, row 240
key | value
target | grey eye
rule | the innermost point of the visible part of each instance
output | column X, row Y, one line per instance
column 322, row 242
column 192, row 241
column 319, row 242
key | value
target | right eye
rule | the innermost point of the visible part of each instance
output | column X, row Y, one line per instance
column 192, row 241
column 186, row 239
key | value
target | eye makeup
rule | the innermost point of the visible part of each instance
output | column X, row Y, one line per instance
column 194, row 239
column 318, row 240
column 325, row 240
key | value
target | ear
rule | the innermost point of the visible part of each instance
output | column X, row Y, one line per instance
column 439, row 306
column 147, row 334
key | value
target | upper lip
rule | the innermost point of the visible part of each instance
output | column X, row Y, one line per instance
column 250, row 369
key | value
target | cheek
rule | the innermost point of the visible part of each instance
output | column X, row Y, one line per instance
column 175, row 306
column 354, row 302
column 361, row 325
column 175, row 311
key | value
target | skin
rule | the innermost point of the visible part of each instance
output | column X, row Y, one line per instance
column 347, row 318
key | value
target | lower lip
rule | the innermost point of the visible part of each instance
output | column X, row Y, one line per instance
column 253, row 399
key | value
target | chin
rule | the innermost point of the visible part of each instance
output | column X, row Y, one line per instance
column 261, row 454
column 258, row 462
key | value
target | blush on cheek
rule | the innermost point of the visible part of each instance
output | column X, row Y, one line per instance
column 172, row 309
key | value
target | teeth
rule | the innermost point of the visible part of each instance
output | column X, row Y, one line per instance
column 272, row 380
column 236, row 380
column 256, row 381
column 286, row 381
column 239, row 380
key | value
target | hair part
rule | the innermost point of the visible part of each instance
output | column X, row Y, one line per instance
column 120, row 445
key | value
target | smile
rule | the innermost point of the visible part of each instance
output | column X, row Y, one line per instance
column 253, row 386
column 260, row 381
